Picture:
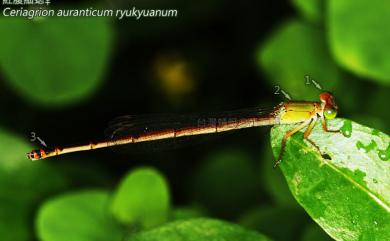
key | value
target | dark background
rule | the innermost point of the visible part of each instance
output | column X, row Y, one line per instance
column 219, row 44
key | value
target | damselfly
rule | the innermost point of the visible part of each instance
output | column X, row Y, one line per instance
column 304, row 113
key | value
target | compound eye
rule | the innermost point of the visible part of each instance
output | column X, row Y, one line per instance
column 330, row 113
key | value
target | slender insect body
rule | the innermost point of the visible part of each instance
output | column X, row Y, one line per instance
column 292, row 112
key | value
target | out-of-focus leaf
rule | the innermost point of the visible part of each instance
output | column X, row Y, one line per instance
column 375, row 104
column 359, row 37
column 227, row 183
column 348, row 195
column 310, row 9
column 183, row 213
column 198, row 229
column 269, row 220
column 22, row 185
column 275, row 183
column 295, row 50
column 34, row 62
column 314, row 232
column 142, row 198
column 78, row 217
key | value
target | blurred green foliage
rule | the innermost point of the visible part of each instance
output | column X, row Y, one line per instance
column 142, row 199
column 354, row 39
column 198, row 229
column 312, row 10
column 275, row 183
column 314, row 232
column 55, row 61
column 297, row 50
column 94, row 215
column 229, row 176
column 22, row 187
column 182, row 213
column 77, row 216
column 269, row 220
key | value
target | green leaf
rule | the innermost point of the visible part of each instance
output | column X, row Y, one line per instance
column 198, row 229
column 310, row 9
column 359, row 37
column 22, row 185
column 348, row 195
column 78, row 217
column 34, row 62
column 314, row 232
column 142, row 198
column 268, row 220
column 227, row 175
column 295, row 50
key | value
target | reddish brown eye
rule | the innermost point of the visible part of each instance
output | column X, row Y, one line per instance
column 326, row 97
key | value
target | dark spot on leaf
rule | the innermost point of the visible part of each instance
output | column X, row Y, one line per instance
column 326, row 156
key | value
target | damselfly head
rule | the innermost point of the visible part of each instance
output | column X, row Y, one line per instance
column 329, row 106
